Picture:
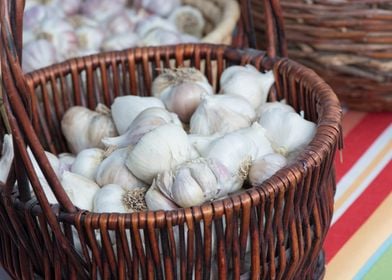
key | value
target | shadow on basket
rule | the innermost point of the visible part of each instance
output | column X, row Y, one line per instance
column 273, row 230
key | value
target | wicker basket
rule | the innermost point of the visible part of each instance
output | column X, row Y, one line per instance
column 347, row 42
column 283, row 222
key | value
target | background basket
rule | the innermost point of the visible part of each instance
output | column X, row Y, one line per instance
column 272, row 231
column 347, row 42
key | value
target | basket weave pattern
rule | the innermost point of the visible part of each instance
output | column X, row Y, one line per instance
column 274, row 231
column 347, row 42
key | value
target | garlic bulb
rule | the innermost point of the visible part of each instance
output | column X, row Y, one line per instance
column 102, row 10
column 287, row 131
column 201, row 142
column 79, row 189
column 61, row 34
column 237, row 150
column 117, row 199
column 87, row 162
column 248, row 83
column 157, row 151
column 126, row 108
column 7, row 157
column 161, row 36
column 272, row 105
column 160, row 7
column 120, row 41
column 146, row 121
column 66, row 160
column 148, row 24
column 89, row 37
column 188, row 20
column 33, row 16
column 38, row 54
column 264, row 167
column 84, row 128
column 121, row 23
column 221, row 114
column 112, row 170
column 156, row 200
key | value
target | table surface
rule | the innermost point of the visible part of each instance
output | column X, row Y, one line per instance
column 359, row 243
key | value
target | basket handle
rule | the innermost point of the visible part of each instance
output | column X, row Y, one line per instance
column 274, row 24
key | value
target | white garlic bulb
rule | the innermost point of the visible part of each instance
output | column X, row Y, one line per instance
column 66, row 159
column 147, row 120
column 38, row 54
column 287, row 131
column 112, row 170
column 201, row 142
column 221, row 114
column 121, row 23
column 87, row 162
column 126, row 108
column 264, row 167
column 120, row 41
column 248, row 83
column 159, row 7
column 147, row 24
column 84, row 128
column 161, row 36
column 102, row 10
column 188, row 20
column 7, row 156
column 156, row 200
column 89, row 37
column 113, row 198
column 80, row 190
column 61, row 34
column 237, row 150
column 159, row 150
column 272, row 105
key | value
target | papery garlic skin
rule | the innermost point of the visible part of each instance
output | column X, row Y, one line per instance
column 80, row 190
column 102, row 10
column 221, row 114
column 146, row 121
column 161, row 36
column 113, row 198
column 287, row 131
column 188, row 20
column 89, row 37
column 121, row 23
column 120, row 41
column 148, row 24
column 7, row 157
column 83, row 128
column 156, row 200
column 66, row 159
column 87, row 162
column 38, row 54
column 201, row 142
column 157, row 151
column 112, row 170
column 126, row 108
column 273, row 105
column 160, row 7
column 264, row 167
column 247, row 83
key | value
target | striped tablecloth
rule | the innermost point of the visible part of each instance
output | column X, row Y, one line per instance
column 359, row 242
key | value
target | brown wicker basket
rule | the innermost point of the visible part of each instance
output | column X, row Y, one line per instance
column 284, row 221
column 347, row 42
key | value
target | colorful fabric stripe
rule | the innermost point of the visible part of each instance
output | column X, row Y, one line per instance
column 358, row 242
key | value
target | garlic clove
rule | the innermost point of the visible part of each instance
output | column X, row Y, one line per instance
column 160, row 36
column 264, row 167
column 160, row 150
column 80, row 190
column 121, row 22
column 102, row 10
column 83, row 128
column 156, row 200
column 87, row 162
column 146, row 121
column 38, row 54
column 7, row 157
column 221, row 114
column 159, row 7
column 126, row 108
column 120, row 41
column 112, row 170
column 228, row 73
column 201, row 142
column 148, row 24
column 287, row 131
column 66, row 160
column 113, row 198
column 272, row 105
column 89, row 37
column 188, row 20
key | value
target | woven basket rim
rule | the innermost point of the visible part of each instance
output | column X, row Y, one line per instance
column 312, row 155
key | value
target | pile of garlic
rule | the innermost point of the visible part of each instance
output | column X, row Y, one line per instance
column 183, row 146
column 55, row 30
